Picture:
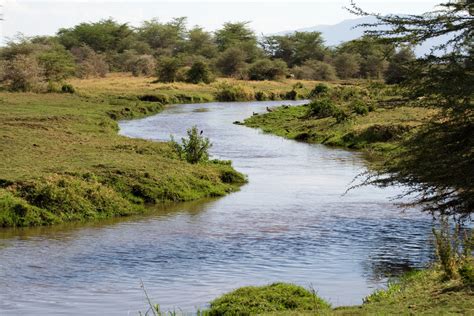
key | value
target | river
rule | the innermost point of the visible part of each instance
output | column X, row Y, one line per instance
column 292, row 222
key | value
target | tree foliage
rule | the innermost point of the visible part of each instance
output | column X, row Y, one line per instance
column 199, row 72
column 167, row 69
column 102, row 36
column 295, row 48
column 437, row 162
column 266, row 69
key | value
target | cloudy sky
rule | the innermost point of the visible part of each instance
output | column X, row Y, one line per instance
column 34, row 17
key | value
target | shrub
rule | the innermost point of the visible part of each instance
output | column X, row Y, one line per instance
column 167, row 69
column 230, row 93
column 67, row 88
column 315, row 70
column 23, row 73
column 253, row 300
column 266, row 69
column 454, row 251
column 182, row 74
column 298, row 85
column 348, row 93
column 199, row 72
column 341, row 116
column 319, row 89
column 347, row 65
column 291, row 95
column 359, row 107
column 261, row 96
column 194, row 149
column 232, row 62
column 58, row 64
column 466, row 271
column 89, row 63
column 376, row 133
column 143, row 65
column 322, row 108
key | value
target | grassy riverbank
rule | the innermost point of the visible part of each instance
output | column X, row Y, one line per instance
column 373, row 120
column 62, row 160
column 416, row 293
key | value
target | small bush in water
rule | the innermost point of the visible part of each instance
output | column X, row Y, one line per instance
column 195, row 148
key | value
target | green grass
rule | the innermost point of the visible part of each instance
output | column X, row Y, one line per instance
column 61, row 159
column 417, row 293
column 277, row 297
column 377, row 132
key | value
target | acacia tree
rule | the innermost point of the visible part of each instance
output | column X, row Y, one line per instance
column 437, row 162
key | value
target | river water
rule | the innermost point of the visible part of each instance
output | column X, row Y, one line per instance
column 291, row 222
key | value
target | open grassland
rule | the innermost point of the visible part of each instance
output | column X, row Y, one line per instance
column 417, row 293
column 122, row 84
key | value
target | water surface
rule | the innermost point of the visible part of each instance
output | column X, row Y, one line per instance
column 291, row 222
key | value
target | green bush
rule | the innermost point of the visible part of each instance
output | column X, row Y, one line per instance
column 253, row 300
column 23, row 73
column 231, row 62
column 348, row 93
column 266, row 69
column 67, row 88
column 199, row 72
column 319, row 89
column 232, row 93
column 58, row 64
column 261, row 96
column 467, row 273
column 143, row 65
column 167, row 69
column 359, row 107
column 89, row 63
column 341, row 116
column 291, row 95
column 195, row 148
column 322, row 108
column 315, row 70
column 298, row 85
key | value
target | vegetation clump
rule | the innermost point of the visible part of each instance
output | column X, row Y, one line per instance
column 199, row 72
column 266, row 69
column 277, row 297
column 195, row 148
column 319, row 90
column 232, row 93
column 322, row 108
column 359, row 107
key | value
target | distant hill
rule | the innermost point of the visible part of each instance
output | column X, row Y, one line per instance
column 346, row 30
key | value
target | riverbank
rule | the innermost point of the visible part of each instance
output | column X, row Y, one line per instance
column 61, row 159
column 416, row 293
column 364, row 117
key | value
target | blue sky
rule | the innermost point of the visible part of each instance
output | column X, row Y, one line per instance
column 36, row 17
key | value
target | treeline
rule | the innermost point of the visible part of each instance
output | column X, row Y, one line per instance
column 173, row 52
